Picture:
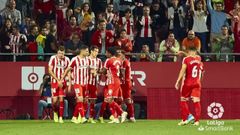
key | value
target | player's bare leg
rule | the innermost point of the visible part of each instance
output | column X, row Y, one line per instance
column 55, row 110
column 61, row 109
column 91, row 116
column 184, row 111
column 130, row 108
column 197, row 107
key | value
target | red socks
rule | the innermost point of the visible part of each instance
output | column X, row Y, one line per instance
column 117, row 108
column 103, row 108
column 112, row 109
column 78, row 109
column 61, row 108
column 184, row 110
column 130, row 109
column 197, row 107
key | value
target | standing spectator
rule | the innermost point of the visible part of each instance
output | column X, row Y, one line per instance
column 44, row 10
column 146, row 55
column 32, row 44
column 102, row 38
column 25, row 26
column 86, row 19
column 41, row 41
column 223, row 44
column 168, row 49
column 160, row 20
column 218, row 19
column 122, row 5
column 71, row 28
column 66, row 20
column 12, row 13
column 99, row 6
column 127, row 22
column 72, row 46
column 191, row 40
column 200, row 22
column 145, row 31
column 51, row 41
column 111, row 17
column 24, row 6
column 18, row 43
column 229, row 5
column 176, row 16
column 79, row 3
column 3, row 5
column 124, row 42
column 5, row 32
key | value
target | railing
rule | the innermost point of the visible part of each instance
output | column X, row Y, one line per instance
column 14, row 55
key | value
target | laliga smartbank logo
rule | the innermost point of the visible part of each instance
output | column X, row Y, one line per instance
column 215, row 111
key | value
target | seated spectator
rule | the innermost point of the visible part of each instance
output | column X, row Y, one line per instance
column 72, row 46
column 146, row 55
column 12, row 13
column 45, row 97
column 223, row 44
column 124, row 42
column 32, row 44
column 191, row 40
column 168, row 49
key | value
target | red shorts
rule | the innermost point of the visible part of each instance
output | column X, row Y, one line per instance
column 126, row 90
column 56, row 91
column 191, row 91
column 113, row 90
column 92, row 91
column 81, row 90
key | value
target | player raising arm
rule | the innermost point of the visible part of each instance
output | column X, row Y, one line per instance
column 190, row 74
column 56, row 66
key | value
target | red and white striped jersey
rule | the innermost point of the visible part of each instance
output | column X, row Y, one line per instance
column 126, row 66
column 16, row 42
column 146, row 30
column 59, row 66
column 128, row 25
column 80, row 68
column 95, row 64
column 112, row 65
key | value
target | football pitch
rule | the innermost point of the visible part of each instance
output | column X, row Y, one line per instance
column 141, row 127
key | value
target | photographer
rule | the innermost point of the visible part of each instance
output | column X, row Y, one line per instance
column 45, row 97
column 146, row 55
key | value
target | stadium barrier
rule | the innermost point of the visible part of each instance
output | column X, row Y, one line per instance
column 154, row 83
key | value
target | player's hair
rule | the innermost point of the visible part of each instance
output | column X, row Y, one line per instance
column 112, row 51
column 61, row 48
column 93, row 47
column 83, row 47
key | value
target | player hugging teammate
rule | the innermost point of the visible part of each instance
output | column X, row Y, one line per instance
column 85, row 70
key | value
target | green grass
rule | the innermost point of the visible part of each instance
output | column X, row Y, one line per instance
column 141, row 127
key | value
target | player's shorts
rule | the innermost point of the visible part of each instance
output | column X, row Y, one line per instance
column 113, row 90
column 126, row 90
column 191, row 91
column 56, row 91
column 81, row 90
column 92, row 91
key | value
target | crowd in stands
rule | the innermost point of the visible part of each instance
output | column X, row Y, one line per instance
column 152, row 30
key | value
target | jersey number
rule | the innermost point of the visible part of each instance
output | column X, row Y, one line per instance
column 195, row 72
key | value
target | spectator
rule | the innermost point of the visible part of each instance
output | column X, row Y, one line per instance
column 111, row 17
column 41, row 40
column 191, row 40
column 5, row 32
column 176, row 16
column 99, row 6
column 218, row 19
column 138, row 10
column 127, row 22
column 51, row 41
column 12, row 13
column 25, row 26
column 72, row 46
column 24, row 6
column 145, row 31
column 3, row 5
column 102, row 38
column 71, row 28
column 86, row 19
column 160, row 20
column 122, row 5
column 66, row 20
column 146, row 55
column 223, row 44
column 200, row 22
column 45, row 97
column 44, row 10
column 168, row 49
column 124, row 42
column 32, row 44
column 79, row 3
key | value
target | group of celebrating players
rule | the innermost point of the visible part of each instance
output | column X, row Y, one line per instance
column 83, row 72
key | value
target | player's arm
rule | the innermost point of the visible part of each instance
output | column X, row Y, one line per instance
column 180, row 76
column 50, row 71
column 66, row 72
